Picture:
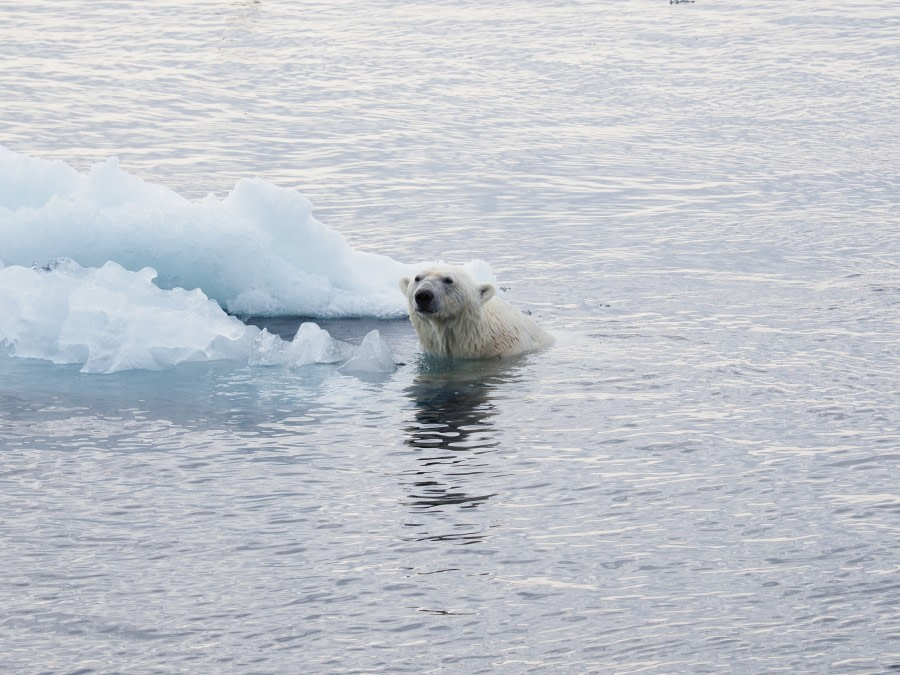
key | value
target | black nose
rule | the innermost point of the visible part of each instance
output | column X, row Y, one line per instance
column 424, row 298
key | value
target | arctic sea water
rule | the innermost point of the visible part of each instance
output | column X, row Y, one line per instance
column 220, row 448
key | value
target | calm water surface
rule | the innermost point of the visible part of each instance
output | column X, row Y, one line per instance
column 700, row 200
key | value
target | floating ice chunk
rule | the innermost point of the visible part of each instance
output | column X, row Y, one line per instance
column 372, row 356
column 268, row 350
column 257, row 251
column 27, row 182
column 111, row 319
column 311, row 344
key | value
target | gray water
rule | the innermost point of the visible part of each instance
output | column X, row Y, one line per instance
column 700, row 201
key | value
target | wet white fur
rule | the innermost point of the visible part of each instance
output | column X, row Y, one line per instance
column 470, row 322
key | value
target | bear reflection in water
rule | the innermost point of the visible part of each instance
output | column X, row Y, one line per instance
column 453, row 434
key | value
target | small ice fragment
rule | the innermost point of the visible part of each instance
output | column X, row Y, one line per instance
column 267, row 350
column 372, row 356
column 313, row 344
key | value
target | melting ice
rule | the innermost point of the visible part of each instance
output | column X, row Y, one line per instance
column 97, row 264
column 257, row 251
column 111, row 319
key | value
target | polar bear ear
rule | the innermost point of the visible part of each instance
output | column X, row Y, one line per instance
column 404, row 284
column 486, row 291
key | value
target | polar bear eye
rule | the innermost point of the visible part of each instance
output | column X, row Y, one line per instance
column 418, row 278
column 448, row 280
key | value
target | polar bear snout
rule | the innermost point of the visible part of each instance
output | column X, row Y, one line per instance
column 424, row 300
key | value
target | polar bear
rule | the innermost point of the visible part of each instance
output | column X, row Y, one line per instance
column 456, row 317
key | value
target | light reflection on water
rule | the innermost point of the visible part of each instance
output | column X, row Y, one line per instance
column 700, row 200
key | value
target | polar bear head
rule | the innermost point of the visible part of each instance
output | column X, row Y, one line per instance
column 442, row 292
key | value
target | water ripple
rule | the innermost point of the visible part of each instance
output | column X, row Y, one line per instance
column 698, row 199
